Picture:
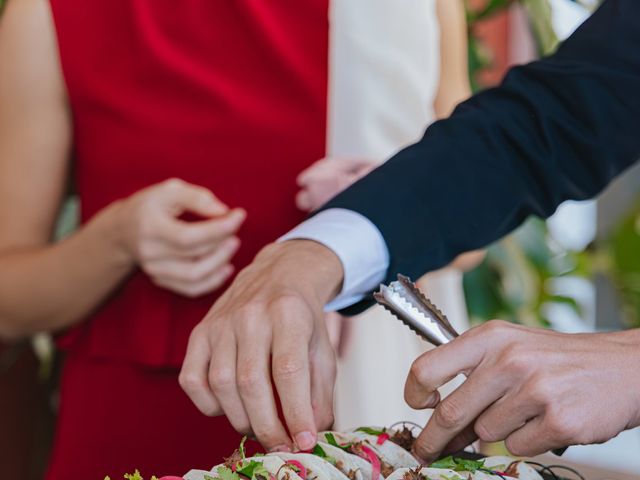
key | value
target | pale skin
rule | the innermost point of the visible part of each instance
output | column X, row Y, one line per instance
column 47, row 286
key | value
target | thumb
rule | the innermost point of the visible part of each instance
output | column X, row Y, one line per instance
column 180, row 196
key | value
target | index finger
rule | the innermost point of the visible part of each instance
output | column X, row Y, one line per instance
column 438, row 366
column 457, row 412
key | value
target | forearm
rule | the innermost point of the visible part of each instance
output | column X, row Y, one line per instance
column 55, row 286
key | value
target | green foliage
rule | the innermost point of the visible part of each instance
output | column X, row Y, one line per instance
column 513, row 281
column 618, row 257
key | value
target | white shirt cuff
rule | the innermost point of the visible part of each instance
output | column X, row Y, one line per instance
column 358, row 244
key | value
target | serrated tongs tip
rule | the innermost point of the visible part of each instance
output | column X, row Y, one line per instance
column 405, row 301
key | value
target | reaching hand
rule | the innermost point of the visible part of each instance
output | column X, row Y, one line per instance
column 269, row 324
column 328, row 177
column 535, row 388
column 189, row 258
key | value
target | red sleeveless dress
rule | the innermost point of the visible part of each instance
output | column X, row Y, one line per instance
column 228, row 94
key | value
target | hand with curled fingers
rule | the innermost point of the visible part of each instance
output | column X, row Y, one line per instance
column 189, row 258
column 269, row 325
column 534, row 388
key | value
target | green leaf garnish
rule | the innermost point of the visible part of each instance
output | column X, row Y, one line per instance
column 319, row 452
column 225, row 473
column 208, row 477
column 371, row 431
column 241, row 448
column 253, row 470
column 331, row 440
column 458, row 464
column 133, row 476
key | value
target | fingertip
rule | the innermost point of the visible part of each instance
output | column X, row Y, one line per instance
column 305, row 440
column 239, row 214
column 210, row 204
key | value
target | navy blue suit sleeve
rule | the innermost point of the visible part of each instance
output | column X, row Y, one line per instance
column 556, row 129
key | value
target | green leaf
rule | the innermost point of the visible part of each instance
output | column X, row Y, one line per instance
column 458, row 464
column 225, row 473
column 371, row 431
column 253, row 470
column 318, row 451
column 241, row 448
column 331, row 440
column 133, row 476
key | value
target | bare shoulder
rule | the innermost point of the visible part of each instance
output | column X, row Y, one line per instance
column 28, row 47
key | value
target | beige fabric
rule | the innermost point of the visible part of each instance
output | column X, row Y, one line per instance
column 383, row 79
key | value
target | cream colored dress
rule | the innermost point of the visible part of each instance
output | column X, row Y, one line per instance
column 384, row 62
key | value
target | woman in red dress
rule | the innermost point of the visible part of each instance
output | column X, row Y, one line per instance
column 229, row 97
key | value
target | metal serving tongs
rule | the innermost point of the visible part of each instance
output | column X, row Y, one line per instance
column 403, row 299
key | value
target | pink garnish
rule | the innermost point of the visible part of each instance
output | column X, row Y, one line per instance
column 370, row 456
column 272, row 476
column 171, row 478
column 383, row 437
column 299, row 466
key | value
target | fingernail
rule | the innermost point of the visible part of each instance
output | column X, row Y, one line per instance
column 281, row 448
column 432, row 401
column 305, row 440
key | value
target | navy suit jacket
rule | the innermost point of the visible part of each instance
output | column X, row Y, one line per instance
column 556, row 129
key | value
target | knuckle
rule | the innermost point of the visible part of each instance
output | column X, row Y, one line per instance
column 516, row 360
column 191, row 382
column 540, row 391
column 221, row 378
column 173, row 183
column 249, row 379
column 517, row 447
column 495, row 327
column 425, row 449
column 287, row 367
column 210, row 410
column 449, row 414
column 288, row 302
column 418, row 369
column 563, row 427
column 485, row 432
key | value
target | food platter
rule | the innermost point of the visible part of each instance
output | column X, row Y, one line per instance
column 375, row 453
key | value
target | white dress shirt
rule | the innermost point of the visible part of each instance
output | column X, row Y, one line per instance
column 358, row 244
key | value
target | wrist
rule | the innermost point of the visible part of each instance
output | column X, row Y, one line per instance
column 109, row 227
column 308, row 265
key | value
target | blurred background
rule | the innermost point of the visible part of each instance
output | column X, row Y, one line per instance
column 579, row 271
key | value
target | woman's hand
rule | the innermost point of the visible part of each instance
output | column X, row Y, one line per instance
column 328, row 177
column 536, row 389
column 189, row 258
